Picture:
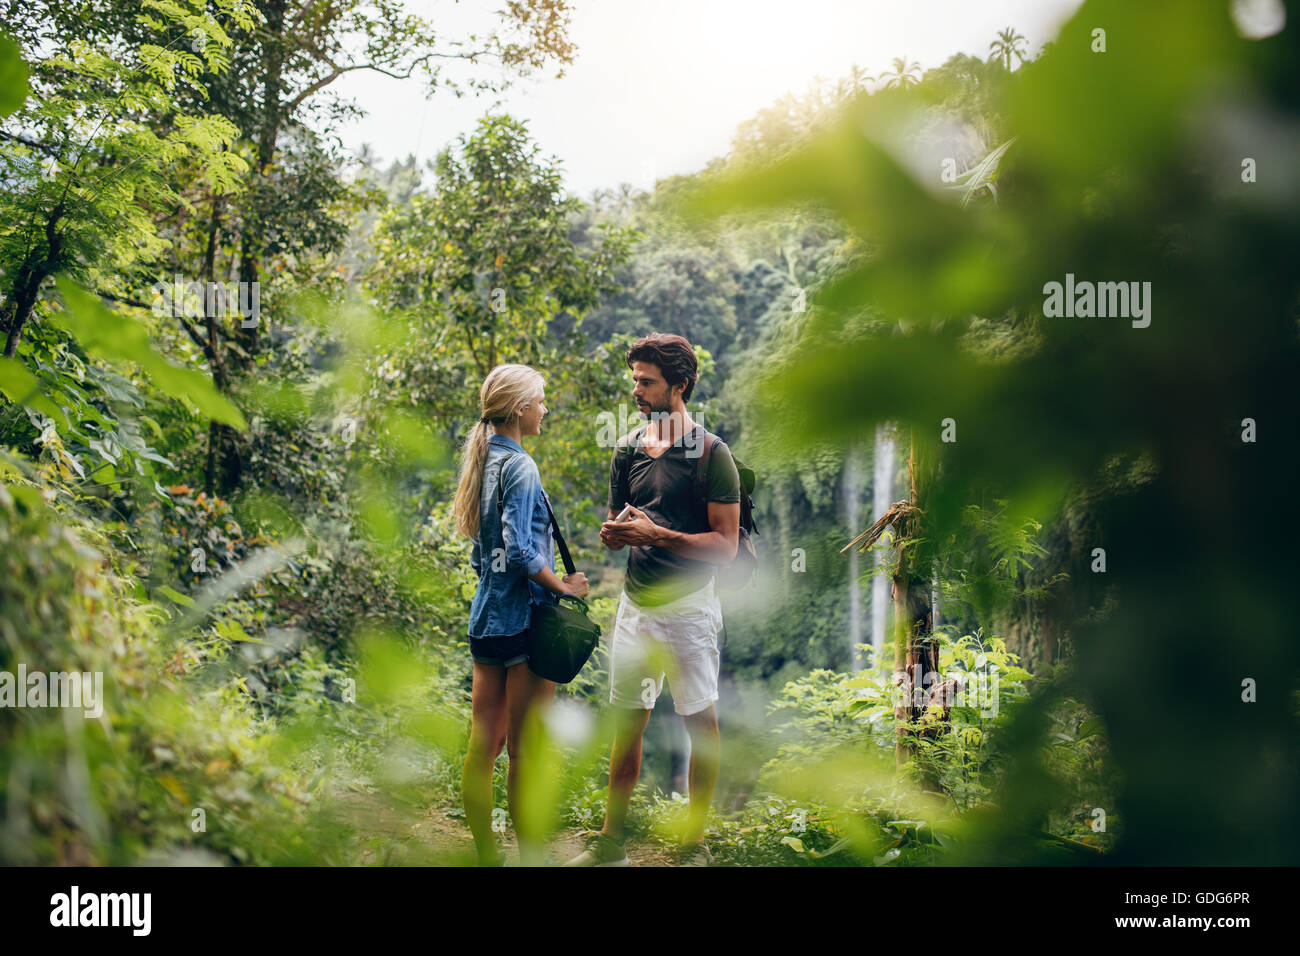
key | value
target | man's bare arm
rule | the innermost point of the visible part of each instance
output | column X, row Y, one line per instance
column 718, row 545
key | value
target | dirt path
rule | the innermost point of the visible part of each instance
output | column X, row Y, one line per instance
column 386, row 832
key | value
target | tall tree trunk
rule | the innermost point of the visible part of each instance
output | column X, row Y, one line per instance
column 27, row 285
column 224, row 462
column 923, row 701
column 913, row 658
column 19, row 307
column 252, row 239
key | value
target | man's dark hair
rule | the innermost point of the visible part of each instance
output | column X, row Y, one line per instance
column 674, row 356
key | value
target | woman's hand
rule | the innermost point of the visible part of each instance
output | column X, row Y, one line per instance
column 576, row 584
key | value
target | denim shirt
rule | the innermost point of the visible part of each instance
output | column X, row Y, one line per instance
column 516, row 541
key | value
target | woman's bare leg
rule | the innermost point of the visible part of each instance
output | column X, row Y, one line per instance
column 526, row 694
column 487, row 735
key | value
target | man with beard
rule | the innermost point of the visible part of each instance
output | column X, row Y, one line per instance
column 669, row 617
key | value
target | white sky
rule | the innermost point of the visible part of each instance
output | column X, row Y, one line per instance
column 658, row 87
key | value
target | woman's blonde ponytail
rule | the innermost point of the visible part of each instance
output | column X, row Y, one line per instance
column 506, row 389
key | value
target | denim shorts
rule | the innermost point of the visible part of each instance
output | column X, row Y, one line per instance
column 502, row 651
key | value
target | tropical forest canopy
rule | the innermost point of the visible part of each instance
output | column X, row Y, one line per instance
column 239, row 363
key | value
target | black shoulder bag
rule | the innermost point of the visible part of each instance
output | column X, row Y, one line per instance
column 560, row 638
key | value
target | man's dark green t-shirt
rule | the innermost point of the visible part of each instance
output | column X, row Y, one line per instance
column 664, row 488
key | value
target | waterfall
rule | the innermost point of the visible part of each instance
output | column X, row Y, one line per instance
column 852, row 489
column 883, row 496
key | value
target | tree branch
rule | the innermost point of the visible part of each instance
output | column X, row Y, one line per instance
column 895, row 511
column 35, row 144
column 338, row 71
column 136, row 303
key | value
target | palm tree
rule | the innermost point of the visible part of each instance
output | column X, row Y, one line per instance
column 858, row 78
column 1008, row 44
column 903, row 75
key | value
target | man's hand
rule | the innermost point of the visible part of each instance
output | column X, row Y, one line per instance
column 606, row 538
column 636, row 529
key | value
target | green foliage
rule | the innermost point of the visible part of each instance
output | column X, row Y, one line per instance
column 90, row 166
column 488, row 252
column 105, row 334
column 231, row 631
column 14, row 72
column 105, row 789
column 288, row 654
column 836, row 759
column 1122, row 169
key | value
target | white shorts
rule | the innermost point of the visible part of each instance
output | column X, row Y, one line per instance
column 678, row 640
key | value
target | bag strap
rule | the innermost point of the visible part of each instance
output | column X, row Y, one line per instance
column 567, row 560
column 702, row 483
column 623, row 456
column 702, row 470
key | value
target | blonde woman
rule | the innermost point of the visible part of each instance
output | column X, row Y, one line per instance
column 501, row 507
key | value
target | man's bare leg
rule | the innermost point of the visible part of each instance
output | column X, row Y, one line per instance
column 706, row 759
column 624, row 768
